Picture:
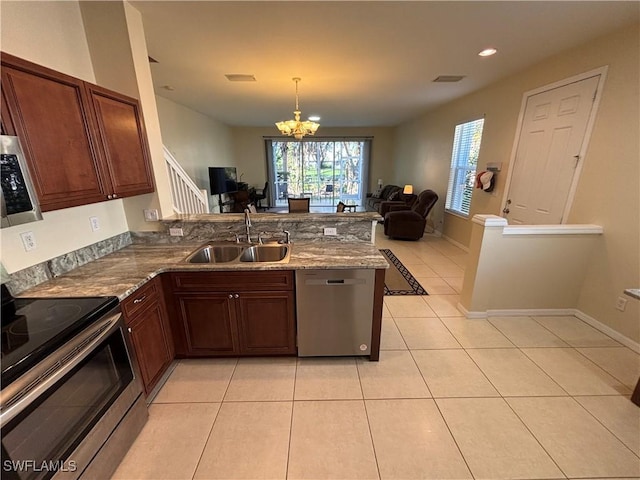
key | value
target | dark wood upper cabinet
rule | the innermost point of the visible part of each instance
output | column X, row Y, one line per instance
column 6, row 125
column 48, row 112
column 83, row 144
column 124, row 141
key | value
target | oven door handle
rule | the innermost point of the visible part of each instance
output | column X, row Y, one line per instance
column 24, row 390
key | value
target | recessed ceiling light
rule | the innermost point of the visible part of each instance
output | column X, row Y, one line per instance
column 314, row 118
column 240, row 77
column 487, row 52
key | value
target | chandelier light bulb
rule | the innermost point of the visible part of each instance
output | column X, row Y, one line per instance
column 295, row 128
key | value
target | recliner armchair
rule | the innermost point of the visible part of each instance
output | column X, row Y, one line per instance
column 408, row 223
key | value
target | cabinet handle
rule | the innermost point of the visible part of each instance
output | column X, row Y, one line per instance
column 129, row 329
column 140, row 300
column 230, row 296
column 109, row 196
column 236, row 296
column 115, row 195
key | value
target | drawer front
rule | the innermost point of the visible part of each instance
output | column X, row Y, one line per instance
column 232, row 281
column 140, row 299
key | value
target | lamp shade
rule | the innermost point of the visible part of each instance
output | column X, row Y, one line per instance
column 408, row 189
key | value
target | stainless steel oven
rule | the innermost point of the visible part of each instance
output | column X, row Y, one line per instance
column 76, row 412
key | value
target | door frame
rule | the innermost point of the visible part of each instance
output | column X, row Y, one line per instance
column 602, row 72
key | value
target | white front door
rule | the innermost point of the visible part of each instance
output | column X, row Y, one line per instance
column 548, row 151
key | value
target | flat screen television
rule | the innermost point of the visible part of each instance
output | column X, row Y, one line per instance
column 223, row 180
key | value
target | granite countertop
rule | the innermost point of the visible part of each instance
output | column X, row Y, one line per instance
column 121, row 273
column 238, row 218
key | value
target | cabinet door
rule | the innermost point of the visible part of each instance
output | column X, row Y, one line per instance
column 209, row 324
column 266, row 322
column 47, row 111
column 6, row 125
column 123, row 140
column 152, row 345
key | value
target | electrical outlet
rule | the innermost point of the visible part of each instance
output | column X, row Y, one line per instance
column 150, row 215
column 176, row 232
column 29, row 241
column 621, row 303
column 330, row 231
column 95, row 223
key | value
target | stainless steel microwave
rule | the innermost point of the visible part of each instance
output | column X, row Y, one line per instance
column 19, row 203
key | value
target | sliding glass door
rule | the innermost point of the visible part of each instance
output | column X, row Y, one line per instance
column 326, row 170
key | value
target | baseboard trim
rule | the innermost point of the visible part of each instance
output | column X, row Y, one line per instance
column 554, row 312
column 531, row 312
column 607, row 330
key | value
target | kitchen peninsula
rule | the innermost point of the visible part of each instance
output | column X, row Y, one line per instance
column 178, row 309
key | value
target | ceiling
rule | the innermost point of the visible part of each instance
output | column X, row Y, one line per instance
column 362, row 63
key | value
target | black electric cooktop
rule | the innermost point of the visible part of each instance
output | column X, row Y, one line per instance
column 36, row 327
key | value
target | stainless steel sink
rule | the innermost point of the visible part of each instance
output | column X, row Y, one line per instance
column 234, row 253
column 216, row 253
column 266, row 253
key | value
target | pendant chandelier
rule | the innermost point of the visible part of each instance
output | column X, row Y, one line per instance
column 295, row 128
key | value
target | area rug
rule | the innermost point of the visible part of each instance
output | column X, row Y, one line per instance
column 398, row 280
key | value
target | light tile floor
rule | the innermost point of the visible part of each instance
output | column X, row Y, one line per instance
column 451, row 398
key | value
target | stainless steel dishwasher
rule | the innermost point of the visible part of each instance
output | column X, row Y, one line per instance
column 335, row 311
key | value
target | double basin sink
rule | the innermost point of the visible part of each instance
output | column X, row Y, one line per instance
column 229, row 252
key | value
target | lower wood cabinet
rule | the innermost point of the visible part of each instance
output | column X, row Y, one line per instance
column 147, row 324
column 266, row 322
column 248, row 319
column 208, row 323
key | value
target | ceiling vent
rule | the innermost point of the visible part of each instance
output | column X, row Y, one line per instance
column 240, row 77
column 448, row 78
column 152, row 60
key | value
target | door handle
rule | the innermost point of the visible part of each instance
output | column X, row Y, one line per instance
column 505, row 210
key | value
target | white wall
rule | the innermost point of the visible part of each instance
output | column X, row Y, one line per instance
column 161, row 198
column 52, row 34
column 195, row 140
column 513, row 271
column 609, row 189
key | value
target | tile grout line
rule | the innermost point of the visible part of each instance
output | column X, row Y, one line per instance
column 366, row 413
column 293, row 406
column 501, row 396
column 600, row 366
column 533, row 435
column 568, row 393
column 204, row 447
column 464, row 459
column 604, row 426
column 618, row 344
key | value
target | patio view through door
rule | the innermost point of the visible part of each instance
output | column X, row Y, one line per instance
column 325, row 170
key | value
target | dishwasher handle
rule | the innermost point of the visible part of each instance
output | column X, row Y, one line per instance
column 335, row 281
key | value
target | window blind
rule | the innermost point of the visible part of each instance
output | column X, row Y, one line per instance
column 464, row 161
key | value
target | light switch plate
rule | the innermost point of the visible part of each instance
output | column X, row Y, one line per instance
column 176, row 232
column 330, row 231
column 29, row 241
